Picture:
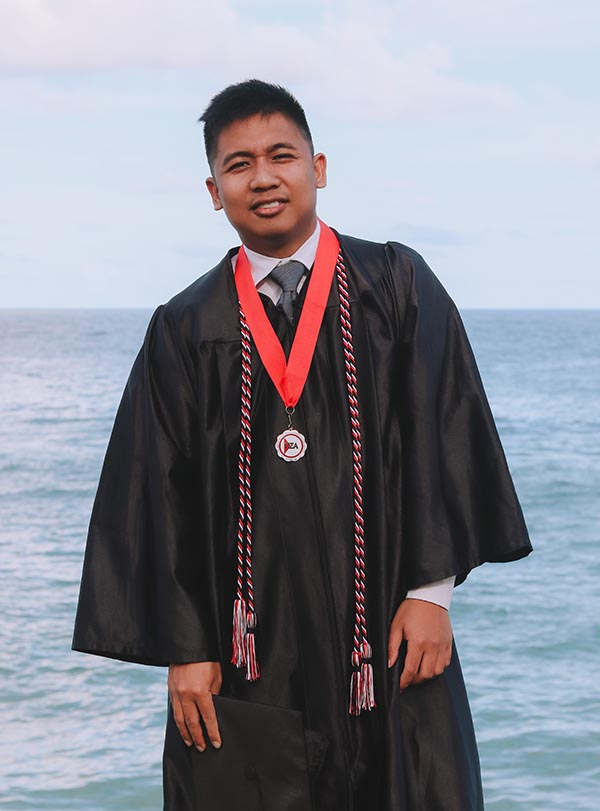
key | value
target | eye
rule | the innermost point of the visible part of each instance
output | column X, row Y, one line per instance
column 237, row 165
column 283, row 156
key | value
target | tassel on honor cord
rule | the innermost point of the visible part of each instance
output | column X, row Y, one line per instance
column 238, row 657
column 362, row 694
column 252, row 668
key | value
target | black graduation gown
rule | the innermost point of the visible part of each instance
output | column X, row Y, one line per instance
column 158, row 581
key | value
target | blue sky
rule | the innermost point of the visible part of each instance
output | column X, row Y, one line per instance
column 468, row 130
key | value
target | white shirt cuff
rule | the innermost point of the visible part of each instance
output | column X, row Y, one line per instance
column 439, row 592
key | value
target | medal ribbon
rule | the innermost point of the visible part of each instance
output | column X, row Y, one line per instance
column 289, row 378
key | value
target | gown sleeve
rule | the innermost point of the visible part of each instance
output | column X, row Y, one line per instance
column 144, row 594
column 460, row 504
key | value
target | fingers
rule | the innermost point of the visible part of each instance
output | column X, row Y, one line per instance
column 446, row 657
column 427, row 631
column 411, row 665
column 192, row 722
column 395, row 640
column 432, row 664
column 188, row 715
column 428, row 668
column 191, row 687
column 207, row 709
column 188, row 723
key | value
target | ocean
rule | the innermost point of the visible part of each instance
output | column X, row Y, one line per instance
column 84, row 733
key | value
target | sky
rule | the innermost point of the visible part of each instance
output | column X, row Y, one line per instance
column 467, row 129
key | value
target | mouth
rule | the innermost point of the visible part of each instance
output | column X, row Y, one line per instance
column 268, row 208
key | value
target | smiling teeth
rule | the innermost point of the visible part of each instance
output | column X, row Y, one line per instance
column 269, row 205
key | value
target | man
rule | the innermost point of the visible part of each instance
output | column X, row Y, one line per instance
column 303, row 465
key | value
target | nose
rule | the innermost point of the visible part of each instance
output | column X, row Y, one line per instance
column 264, row 176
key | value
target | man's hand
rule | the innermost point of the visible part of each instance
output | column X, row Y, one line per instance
column 191, row 688
column 428, row 633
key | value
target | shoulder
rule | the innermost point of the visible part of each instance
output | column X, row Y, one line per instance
column 392, row 264
column 207, row 308
column 379, row 251
column 203, row 292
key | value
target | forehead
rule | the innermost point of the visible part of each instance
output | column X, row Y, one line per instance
column 259, row 133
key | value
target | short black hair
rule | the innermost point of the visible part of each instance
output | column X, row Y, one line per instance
column 243, row 100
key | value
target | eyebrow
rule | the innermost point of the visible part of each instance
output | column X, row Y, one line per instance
column 244, row 153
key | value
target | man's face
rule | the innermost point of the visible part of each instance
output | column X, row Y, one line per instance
column 266, row 180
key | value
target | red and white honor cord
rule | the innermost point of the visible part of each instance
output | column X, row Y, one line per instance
column 244, row 616
column 362, row 695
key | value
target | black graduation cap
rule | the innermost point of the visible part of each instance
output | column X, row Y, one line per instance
column 263, row 764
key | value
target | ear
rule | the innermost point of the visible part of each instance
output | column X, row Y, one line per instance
column 211, row 185
column 320, row 169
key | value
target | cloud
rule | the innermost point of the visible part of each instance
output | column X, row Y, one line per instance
column 568, row 144
column 70, row 35
column 350, row 62
column 534, row 24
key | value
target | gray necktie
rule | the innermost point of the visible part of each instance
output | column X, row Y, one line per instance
column 288, row 275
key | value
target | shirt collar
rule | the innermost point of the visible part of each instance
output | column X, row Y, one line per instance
column 261, row 266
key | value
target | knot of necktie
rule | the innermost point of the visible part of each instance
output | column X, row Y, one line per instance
column 288, row 275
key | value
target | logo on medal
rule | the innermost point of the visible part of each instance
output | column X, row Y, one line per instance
column 290, row 445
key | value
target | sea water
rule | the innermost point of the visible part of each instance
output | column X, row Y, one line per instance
column 85, row 733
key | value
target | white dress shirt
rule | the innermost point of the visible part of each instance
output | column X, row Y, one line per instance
column 261, row 266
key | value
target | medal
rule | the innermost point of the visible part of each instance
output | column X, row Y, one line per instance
column 290, row 444
column 289, row 377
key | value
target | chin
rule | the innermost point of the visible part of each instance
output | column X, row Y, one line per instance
column 270, row 230
column 275, row 232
